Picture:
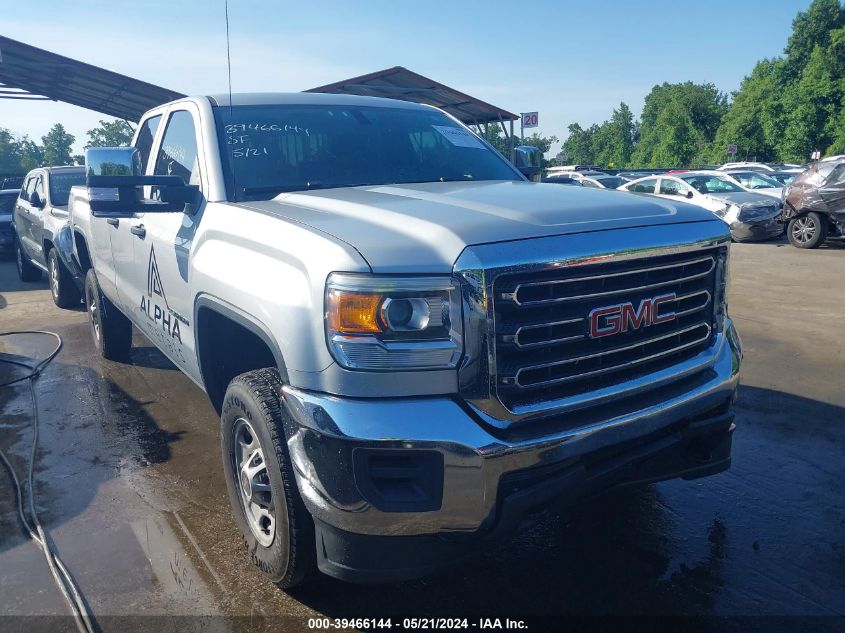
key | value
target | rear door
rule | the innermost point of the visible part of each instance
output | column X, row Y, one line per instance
column 28, row 217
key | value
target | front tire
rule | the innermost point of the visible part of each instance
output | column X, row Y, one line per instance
column 65, row 293
column 808, row 230
column 27, row 271
column 110, row 329
column 275, row 526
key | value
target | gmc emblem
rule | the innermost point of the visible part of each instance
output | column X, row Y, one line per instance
column 622, row 317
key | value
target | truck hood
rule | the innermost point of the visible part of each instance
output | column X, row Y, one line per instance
column 423, row 227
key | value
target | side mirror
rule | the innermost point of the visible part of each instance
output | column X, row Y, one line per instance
column 36, row 201
column 689, row 194
column 113, row 177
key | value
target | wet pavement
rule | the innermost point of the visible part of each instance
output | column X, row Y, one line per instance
column 130, row 488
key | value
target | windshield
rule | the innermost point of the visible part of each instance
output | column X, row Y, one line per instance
column 271, row 149
column 754, row 180
column 7, row 202
column 60, row 184
column 711, row 184
column 785, row 179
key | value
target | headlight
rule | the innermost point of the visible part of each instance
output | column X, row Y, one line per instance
column 393, row 323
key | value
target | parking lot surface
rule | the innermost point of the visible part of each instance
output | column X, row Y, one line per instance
column 130, row 487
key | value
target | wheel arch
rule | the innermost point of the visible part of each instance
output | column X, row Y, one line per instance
column 80, row 249
column 213, row 316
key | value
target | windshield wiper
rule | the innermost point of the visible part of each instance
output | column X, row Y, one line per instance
column 305, row 186
column 301, row 186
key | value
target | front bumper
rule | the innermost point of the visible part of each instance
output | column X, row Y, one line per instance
column 762, row 230
column 473, row 481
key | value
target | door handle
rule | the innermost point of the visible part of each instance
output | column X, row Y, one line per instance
column 139, row 230
column 113, row 221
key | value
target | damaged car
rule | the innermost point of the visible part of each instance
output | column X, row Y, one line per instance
column 814, row 205
column 751, row 216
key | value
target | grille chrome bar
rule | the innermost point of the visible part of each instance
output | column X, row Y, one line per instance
column 513, row 296
column 615, row 350
column 514, row 338
column 690, row 295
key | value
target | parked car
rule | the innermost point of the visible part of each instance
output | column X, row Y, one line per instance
column 605, row 181
column 751, row 216
column 8, row 197
column 563, row 180
column 634, row 175
column 409, row 368
column 756, row 181
column 44, row 239
column 747, row 166
column 814, row 205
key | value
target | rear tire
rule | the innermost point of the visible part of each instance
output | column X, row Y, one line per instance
column 27, row 271
column 275, row 526
column 808, row 230
column 110, row 329
column 65, row 293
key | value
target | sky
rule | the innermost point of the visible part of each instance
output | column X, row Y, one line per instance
column 570, row 61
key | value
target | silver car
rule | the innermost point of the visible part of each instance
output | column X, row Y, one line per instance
column 751, row 216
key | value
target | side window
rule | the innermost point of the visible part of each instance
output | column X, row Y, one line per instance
column 671, row 187
column 837, row 176
column 178, row 153
column 144, row 142
column 590, row 183
column 646, row 186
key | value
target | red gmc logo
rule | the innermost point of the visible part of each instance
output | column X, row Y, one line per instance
column 622, row 317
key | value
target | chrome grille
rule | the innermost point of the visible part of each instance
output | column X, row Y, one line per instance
column 543, row 347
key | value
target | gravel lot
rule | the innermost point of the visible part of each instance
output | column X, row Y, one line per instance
column 130, row 488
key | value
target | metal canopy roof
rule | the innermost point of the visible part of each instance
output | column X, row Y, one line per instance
column 30, row 73
column 401, row 83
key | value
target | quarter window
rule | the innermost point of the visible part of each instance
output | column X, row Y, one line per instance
column 178, row 153
column 646, row 186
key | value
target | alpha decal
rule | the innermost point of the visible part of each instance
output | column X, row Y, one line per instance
column 154, row 304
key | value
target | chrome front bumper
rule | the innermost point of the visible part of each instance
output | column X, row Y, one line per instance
column 324, row 432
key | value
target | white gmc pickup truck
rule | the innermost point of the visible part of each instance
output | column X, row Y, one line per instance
column 413, row 349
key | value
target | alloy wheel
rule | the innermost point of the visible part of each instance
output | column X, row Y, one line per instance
column 253, row 482
column 54, row 277
column 804, row 229
column 94, row 315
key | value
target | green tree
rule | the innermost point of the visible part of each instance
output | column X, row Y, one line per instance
column 57, row 145
column 31, row 154
column 578, row 146
column 678, row 124
column 115, row 133
column 814, row 104
column 613, row 142
column 754, row 120
column 811, row 28
column 10, row 157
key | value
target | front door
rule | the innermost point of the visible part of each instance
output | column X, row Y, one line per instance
column 163, row 306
